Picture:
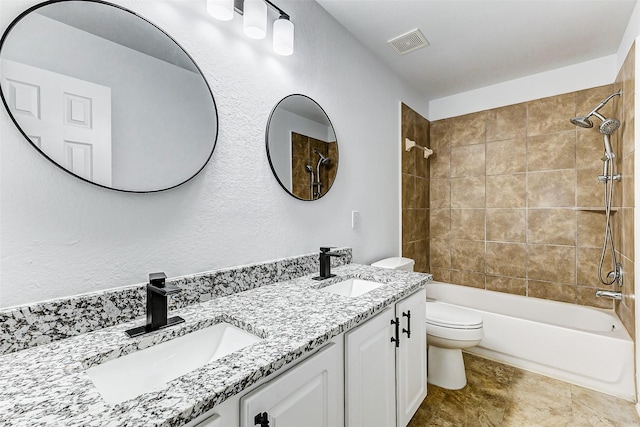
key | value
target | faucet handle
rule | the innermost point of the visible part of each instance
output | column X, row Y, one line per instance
column 325, row 248
column 157, row 279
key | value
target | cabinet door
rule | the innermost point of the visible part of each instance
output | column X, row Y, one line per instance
column 305, row 395
column 411, row 358
column 370, row 390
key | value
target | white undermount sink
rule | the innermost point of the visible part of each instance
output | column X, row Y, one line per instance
column 152, row 368
column 352, row 287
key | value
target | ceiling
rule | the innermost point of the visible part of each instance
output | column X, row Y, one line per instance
column 479, row 43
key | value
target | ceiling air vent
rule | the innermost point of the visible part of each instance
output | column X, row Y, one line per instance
column 409, row 42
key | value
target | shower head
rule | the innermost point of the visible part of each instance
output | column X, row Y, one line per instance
column 309, row 169
column 323, row 160
column 582, row 122
column 609, row 126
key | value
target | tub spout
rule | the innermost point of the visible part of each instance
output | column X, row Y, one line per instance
column 609, row 294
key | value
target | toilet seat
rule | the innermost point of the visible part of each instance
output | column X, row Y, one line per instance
column 448, row 316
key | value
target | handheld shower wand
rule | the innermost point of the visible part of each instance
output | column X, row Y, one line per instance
column 607, row 127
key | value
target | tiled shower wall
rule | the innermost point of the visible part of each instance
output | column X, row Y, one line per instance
column 625, row 148
column 515, row 205
column 415, row 190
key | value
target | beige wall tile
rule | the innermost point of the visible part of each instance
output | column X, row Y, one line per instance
column 507, row 122
column 467, row 255
column 439, row 193
column 549, row 115
column 587, row 296
column 591, row 225
column 551, row 226
column 409, row 250
column 552, row 151
column 440, row 257
column 467, row 192
column 440, row 163
column 468, row 129
column 552, row 291
column 627, row 231
column 468, row 160
column 508, row 285
column 627, row 184
column 590, row 192
column 467, row 278
column 589, row 149
column 506, row 259
column 408, row 226
column 408, row 191
column 506, row 191
column 441, row 274
column 422, row 193
column 551, row 189
column 588, row 260
column 422, row 224
column 505, row 157
column 506, row 225
column 552, row 263
column 440, row 223
column 421, row 256
column 441, row 134
column 467, row 224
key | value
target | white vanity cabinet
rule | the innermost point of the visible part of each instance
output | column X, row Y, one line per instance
column 386, row 366
column 308, row 394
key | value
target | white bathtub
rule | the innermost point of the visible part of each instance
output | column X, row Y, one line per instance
column 585, row 346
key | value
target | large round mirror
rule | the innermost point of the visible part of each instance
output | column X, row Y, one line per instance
column 302, row 147
column 107, row 96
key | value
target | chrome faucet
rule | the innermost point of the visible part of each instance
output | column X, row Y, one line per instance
column 609, row 294
column 325, row 263
column 157, row 292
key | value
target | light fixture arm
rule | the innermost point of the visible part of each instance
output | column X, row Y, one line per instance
column 239, row 8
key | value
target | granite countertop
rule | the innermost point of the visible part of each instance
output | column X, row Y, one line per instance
column 48, row 385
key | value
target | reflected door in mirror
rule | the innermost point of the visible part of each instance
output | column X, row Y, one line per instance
column 107, row 96
column 76, row 136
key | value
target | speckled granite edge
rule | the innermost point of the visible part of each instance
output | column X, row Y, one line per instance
column 44, row 322
column 48, row 384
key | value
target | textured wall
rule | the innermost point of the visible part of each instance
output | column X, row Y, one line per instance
column 60, row 236
column 415, row 190
column 514, row 201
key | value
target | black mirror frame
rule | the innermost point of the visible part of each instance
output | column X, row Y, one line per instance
column 6, row 105
column 275, row 174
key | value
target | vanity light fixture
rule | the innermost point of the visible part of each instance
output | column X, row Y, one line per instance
column 255, row 21
column 222, row 10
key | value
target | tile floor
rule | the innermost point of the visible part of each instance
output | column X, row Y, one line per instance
column 500, row 395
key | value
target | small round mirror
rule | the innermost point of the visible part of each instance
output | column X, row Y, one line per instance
column 107, row 96
column 302, row 147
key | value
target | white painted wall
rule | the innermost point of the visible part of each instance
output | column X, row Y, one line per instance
column 596, row 72
column 60, row 236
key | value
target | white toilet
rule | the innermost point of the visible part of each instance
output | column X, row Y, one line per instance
column 449, row 330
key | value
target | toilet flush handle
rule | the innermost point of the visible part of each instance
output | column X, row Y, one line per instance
column 408, row 316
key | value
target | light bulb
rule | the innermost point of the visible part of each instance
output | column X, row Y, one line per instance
column 283, row 37
column 255, row 19
column 220, row 9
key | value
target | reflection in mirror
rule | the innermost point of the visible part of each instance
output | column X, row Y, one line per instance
column 107, row 96
column 302, row 147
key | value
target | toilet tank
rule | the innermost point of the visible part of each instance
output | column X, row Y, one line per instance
column 395, row 263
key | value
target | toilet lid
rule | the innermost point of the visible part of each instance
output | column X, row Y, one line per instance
column 450, row 316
